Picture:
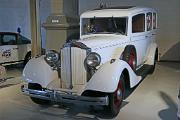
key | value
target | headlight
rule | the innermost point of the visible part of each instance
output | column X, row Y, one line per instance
column 52, row 57
column 93, row 59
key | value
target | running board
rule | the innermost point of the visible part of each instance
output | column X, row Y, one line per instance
column 143, row 71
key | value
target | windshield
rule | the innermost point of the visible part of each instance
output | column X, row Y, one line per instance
column 108, row 25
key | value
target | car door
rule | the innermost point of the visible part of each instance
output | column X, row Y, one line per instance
column 8, row 48
column 24, row 45
column 139, row 37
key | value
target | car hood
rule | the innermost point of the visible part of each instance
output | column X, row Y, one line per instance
column 102, row 41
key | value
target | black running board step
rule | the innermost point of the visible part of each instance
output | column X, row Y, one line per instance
column 143, row 71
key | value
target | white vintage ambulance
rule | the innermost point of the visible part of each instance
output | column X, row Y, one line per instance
column 116, row 50
column 14, row 48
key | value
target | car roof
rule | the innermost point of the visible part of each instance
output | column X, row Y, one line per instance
column 118, row 7
column 8, row 33
column 121, row 11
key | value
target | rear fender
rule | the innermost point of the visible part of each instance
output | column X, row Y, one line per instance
column 38, row 71
column 151, row 55
column 107, row 77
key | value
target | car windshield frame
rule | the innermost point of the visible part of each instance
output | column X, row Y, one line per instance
column 104, row 25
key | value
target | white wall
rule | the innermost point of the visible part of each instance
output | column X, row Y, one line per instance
column 16, row 13
column 168, row 21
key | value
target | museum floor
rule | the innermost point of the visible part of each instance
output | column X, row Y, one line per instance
column 155, row 98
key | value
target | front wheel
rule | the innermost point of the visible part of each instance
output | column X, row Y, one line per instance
column 40, row 101
column 27, row 58
column 116, row 98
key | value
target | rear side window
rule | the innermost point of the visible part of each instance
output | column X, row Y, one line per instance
column 138, row 23
column 149, row 21
column 154, row 21
column 23, row 40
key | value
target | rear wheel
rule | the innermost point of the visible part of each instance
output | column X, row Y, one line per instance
column 35, row 86
column 116, row 98
column 129, row 55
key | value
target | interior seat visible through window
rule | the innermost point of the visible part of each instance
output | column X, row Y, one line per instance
column 138, row 23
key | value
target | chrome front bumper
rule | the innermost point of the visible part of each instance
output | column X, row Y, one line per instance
column 61, row 96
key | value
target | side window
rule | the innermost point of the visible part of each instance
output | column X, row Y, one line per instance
column 149, row 21
column 8, row 39
column 23, row 40
column 138, row 23
column 154, row 21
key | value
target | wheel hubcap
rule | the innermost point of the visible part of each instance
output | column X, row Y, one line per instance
column 119, row 92
column 118, row 95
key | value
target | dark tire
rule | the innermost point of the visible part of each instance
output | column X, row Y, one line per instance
column 116, row 98
column 40, row 101
column 35, row 86
column 129, row 55
column 27, row 58
column 151, row 71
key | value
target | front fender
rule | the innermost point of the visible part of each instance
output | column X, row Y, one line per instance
column 38, row 71
column 107, row 77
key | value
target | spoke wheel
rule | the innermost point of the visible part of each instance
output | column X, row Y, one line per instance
column 116, row 98
column 129, row 55
column 118, row 95
column 132, row 60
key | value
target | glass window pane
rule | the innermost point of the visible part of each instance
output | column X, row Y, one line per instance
column 154, row 21
column 23, row 40
column 108, row 25
column 8, row 39
column 149, row 21
column 121, row 25
column 138, row 23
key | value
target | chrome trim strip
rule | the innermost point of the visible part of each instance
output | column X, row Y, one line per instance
column 59, row 96
column 71, row 82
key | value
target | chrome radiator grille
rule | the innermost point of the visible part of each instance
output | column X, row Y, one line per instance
column 72, row 66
